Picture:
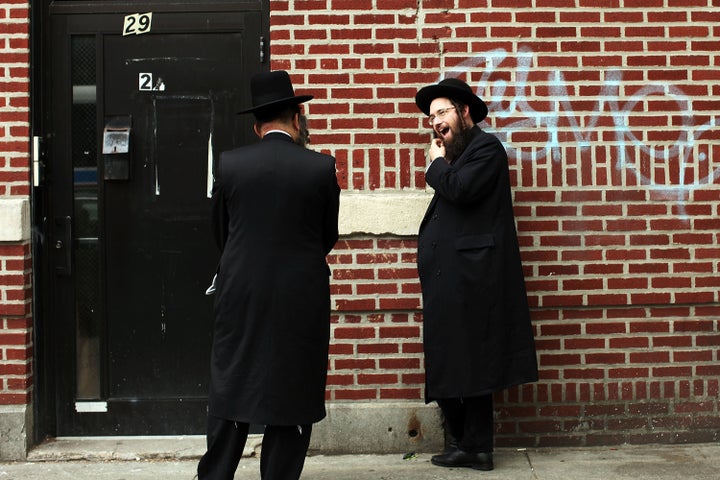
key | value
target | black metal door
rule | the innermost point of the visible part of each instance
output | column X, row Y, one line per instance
column 138, row 120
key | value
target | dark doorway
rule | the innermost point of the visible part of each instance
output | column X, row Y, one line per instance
column 139, row 105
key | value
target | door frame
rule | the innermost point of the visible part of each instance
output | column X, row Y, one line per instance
column 52, row 23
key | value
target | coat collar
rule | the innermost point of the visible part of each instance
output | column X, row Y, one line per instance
column 278, row 135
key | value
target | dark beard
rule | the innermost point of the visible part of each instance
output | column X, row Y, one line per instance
column 461, row 139
column 304, row 135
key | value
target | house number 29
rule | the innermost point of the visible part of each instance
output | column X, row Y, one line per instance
column 137, row 23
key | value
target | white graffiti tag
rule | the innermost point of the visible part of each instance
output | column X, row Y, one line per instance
column 689, row 153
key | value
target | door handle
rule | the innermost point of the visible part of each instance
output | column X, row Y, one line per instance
column 63, row 246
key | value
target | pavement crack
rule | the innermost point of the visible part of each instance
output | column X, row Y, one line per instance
column 527, row 457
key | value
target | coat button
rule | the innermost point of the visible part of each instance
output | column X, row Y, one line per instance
column 437, row 273
column 434, row 244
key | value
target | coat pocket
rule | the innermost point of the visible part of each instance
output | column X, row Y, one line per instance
column 476, row 275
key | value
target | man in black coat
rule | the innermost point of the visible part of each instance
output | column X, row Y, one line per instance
column 476, row 323
column 275, row 216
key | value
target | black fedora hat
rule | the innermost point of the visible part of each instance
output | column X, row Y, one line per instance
column 454, row 89
column 272, row 90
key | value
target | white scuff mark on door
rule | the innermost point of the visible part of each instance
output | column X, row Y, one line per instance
column 210, row 179
column 154, row 146
column 128, row 61
column 159, row 85
column 210, row 159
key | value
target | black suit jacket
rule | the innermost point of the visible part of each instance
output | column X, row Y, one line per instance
column 275, row 214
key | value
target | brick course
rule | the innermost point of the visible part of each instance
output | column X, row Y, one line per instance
column 609, row 111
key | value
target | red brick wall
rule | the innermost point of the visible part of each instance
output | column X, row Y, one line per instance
column 609, row 110
column 15, row 325
column 15, row 265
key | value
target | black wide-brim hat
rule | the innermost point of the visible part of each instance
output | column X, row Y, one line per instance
column 454, row 89
column 272, row 90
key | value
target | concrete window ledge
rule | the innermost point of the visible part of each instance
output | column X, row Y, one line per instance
column 14, row 219
column 382, row 212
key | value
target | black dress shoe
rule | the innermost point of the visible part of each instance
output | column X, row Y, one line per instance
column 458, row 458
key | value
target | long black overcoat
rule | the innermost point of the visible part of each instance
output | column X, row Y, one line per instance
column 275, row 214
column 477, row 332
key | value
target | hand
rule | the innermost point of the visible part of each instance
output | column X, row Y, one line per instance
column 437, row 149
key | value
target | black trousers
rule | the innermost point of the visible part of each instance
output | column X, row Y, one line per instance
column 470, row 422
column 283, row 450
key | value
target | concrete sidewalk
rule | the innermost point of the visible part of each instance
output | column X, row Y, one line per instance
column 163, row 458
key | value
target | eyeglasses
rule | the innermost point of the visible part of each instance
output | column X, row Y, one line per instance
column 439, row 114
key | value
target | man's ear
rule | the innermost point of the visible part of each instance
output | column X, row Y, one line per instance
column 256, row 128
column 296, row 122
column 466, row 115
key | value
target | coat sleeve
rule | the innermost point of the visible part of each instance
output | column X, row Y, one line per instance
column 219, row 213
column 472, row 178
column 332, row 209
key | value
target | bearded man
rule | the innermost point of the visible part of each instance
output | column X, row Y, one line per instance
column 477, row 334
